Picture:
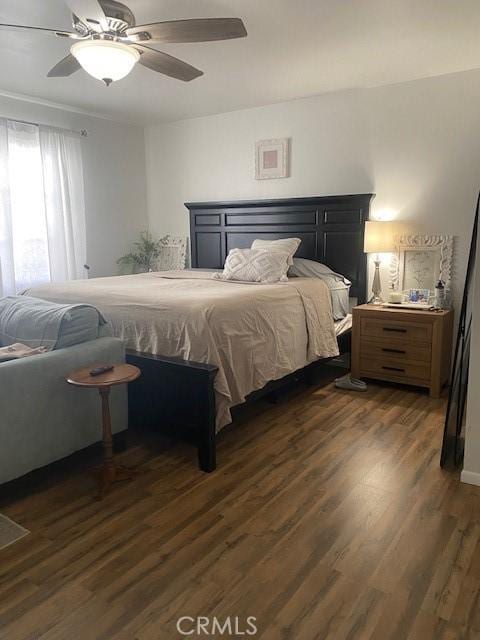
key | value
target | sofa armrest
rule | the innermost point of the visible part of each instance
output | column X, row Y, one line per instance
column 59, row 363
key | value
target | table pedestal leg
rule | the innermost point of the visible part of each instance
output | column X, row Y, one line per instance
column 109, row 472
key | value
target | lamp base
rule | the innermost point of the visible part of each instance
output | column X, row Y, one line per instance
column 376, row 285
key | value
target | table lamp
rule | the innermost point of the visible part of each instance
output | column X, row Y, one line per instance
column 379, row 238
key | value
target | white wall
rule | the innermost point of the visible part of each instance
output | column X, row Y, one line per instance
column 416, row 145
column 114, row 172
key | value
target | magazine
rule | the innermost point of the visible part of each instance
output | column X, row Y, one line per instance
column 19, row 350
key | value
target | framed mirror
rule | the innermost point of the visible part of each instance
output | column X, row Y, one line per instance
column 454, row 428
column 421, row 261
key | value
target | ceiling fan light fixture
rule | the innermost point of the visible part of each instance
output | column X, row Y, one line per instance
column 105, row 60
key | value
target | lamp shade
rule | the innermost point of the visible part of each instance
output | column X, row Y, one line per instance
column 104, row 59
column 380, row 236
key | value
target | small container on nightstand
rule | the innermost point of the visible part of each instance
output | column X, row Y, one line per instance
column 402, row 345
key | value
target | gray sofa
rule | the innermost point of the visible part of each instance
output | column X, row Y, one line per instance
column 42, row 418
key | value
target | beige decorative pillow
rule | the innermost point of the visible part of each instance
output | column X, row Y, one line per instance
column 255, row 265
column 290, row 245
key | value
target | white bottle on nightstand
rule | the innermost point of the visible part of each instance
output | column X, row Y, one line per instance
column 439, row 295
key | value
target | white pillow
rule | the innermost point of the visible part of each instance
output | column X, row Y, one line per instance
column 304, row 268
column 290, row 245
column 255, row 265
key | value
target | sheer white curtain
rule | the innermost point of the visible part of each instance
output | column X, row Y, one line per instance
column 42, row 208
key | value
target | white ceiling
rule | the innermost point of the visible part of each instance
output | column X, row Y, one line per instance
column 295, row 48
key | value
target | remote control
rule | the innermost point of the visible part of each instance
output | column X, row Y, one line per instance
column 99, row 370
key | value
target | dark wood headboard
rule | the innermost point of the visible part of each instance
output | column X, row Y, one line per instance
column 331, row 229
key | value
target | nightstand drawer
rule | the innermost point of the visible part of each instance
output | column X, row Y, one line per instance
column 386, row 348
column 401, row 330
column 395, row 369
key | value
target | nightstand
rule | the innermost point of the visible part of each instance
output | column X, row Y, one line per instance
column 402, row 345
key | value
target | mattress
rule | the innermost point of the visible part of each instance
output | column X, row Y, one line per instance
column 252, row 332
column 340, row 295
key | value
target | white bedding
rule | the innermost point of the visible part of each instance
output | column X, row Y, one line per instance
column 343, row 325
column 252, row 332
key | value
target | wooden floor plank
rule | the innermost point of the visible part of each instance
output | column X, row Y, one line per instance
column 327, row 518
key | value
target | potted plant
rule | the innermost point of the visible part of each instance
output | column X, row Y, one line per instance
column 144, row 256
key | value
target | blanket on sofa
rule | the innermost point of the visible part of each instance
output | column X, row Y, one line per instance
column 38, row 323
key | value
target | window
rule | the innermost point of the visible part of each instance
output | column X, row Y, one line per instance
column 42, row 212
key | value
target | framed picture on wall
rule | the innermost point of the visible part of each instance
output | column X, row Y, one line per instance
column 272, row 158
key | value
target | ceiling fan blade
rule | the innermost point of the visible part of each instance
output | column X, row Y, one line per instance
column 53, row 32
column 90, row 13
column 168, row 65
column 64, row 68
column 196, row 30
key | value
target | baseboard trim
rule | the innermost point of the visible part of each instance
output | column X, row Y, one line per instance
column 470, row 477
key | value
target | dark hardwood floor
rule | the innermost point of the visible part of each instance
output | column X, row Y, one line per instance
column 328, row 517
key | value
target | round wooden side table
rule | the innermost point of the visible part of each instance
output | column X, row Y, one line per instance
column 120, row 374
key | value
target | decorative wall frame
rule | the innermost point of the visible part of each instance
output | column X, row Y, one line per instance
column 272, row 158
column 173, row 253
column 420, row 261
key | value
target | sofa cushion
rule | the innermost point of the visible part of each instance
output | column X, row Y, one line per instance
column 36, row 322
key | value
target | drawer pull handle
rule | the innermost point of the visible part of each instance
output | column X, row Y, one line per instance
column 393, row 350
column 394, row 369
column 395, row 329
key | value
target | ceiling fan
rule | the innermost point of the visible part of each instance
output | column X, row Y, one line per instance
column 108, row 43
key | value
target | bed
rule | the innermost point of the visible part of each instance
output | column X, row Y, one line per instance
column 195, row 371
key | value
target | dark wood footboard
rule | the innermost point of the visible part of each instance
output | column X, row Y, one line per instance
column 175, row 396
